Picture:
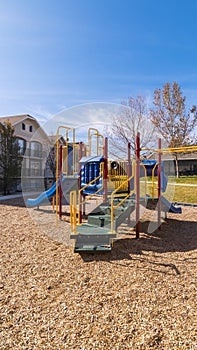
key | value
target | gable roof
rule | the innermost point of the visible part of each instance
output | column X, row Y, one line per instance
column 15, row 119
column 53, row 139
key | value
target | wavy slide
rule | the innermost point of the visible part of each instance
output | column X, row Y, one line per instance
column 43, row 196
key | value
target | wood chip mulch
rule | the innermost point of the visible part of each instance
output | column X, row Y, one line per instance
column 142, row 295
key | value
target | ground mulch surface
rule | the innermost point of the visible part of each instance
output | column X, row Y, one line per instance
column 142, row 295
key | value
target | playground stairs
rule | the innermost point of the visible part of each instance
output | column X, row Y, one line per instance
column 96, row 234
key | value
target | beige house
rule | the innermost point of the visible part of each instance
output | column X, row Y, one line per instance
column 34, row 146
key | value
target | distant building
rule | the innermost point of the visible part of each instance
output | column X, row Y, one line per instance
column 34, row 145
column 187, row 164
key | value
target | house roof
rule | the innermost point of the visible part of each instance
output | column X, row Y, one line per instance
column 53, row 139
column 15, row 119
column 181, row 156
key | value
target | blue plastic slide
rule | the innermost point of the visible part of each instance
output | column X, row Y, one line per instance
column 43, row 196
column 170, row 207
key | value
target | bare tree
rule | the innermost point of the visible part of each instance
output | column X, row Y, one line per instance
column 174, row 123
column 133, row 117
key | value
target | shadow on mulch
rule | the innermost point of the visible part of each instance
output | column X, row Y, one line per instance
column 174, row 236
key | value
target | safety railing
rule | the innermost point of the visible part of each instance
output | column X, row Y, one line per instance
column 145, row 180
column 114, row 193
column 153, row 181
column 73, row 157
column 95, row 142
column 117, row 173
column 92, row 194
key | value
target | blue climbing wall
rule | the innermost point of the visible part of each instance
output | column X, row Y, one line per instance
column 90, row 170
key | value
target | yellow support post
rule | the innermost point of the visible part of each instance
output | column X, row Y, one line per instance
column 153, row 183
column 73, row 211
column 98, row 138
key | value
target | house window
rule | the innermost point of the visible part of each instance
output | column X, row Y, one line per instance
column 22, row 145
column 30, row 128
column 23, row 126
column 36, row 168
column 36, row 149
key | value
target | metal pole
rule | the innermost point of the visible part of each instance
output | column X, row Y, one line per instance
column 60, row 189
column 159, row 185
column 105, row 172
column 57, row 174
column 129, row 165
column 137, row 182
column 129, row 173
column 74, row 155
column 79, row 183
column 79, row 165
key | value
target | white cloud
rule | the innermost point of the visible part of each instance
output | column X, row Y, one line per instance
column 81, row 117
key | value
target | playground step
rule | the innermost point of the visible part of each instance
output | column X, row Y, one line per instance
column 104, row 220
column 86, row 228
column 105, row 209
column 100, row 220
column 92, row 238
column 101, row 215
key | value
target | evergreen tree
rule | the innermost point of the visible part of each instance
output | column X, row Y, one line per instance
column 10, row 158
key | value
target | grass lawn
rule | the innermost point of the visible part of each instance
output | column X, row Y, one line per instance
column 187, row 194
column 183, row 180
column 179, row 193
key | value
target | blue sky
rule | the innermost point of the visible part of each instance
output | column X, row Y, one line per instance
column 57, row 54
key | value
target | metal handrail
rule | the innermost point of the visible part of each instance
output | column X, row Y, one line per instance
column 122, row 201
column 93, row 194
column 145, row 173
column 98, row 137
column 153, row 183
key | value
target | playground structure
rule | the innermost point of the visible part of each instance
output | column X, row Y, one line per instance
column 84, row 174
column 119, row 183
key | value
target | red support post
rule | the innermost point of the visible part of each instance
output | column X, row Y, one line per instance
column 105, row 172
column 60, row 185
column 129, row 173
column 129, row 165
column 137, row 186
column 159, row 185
